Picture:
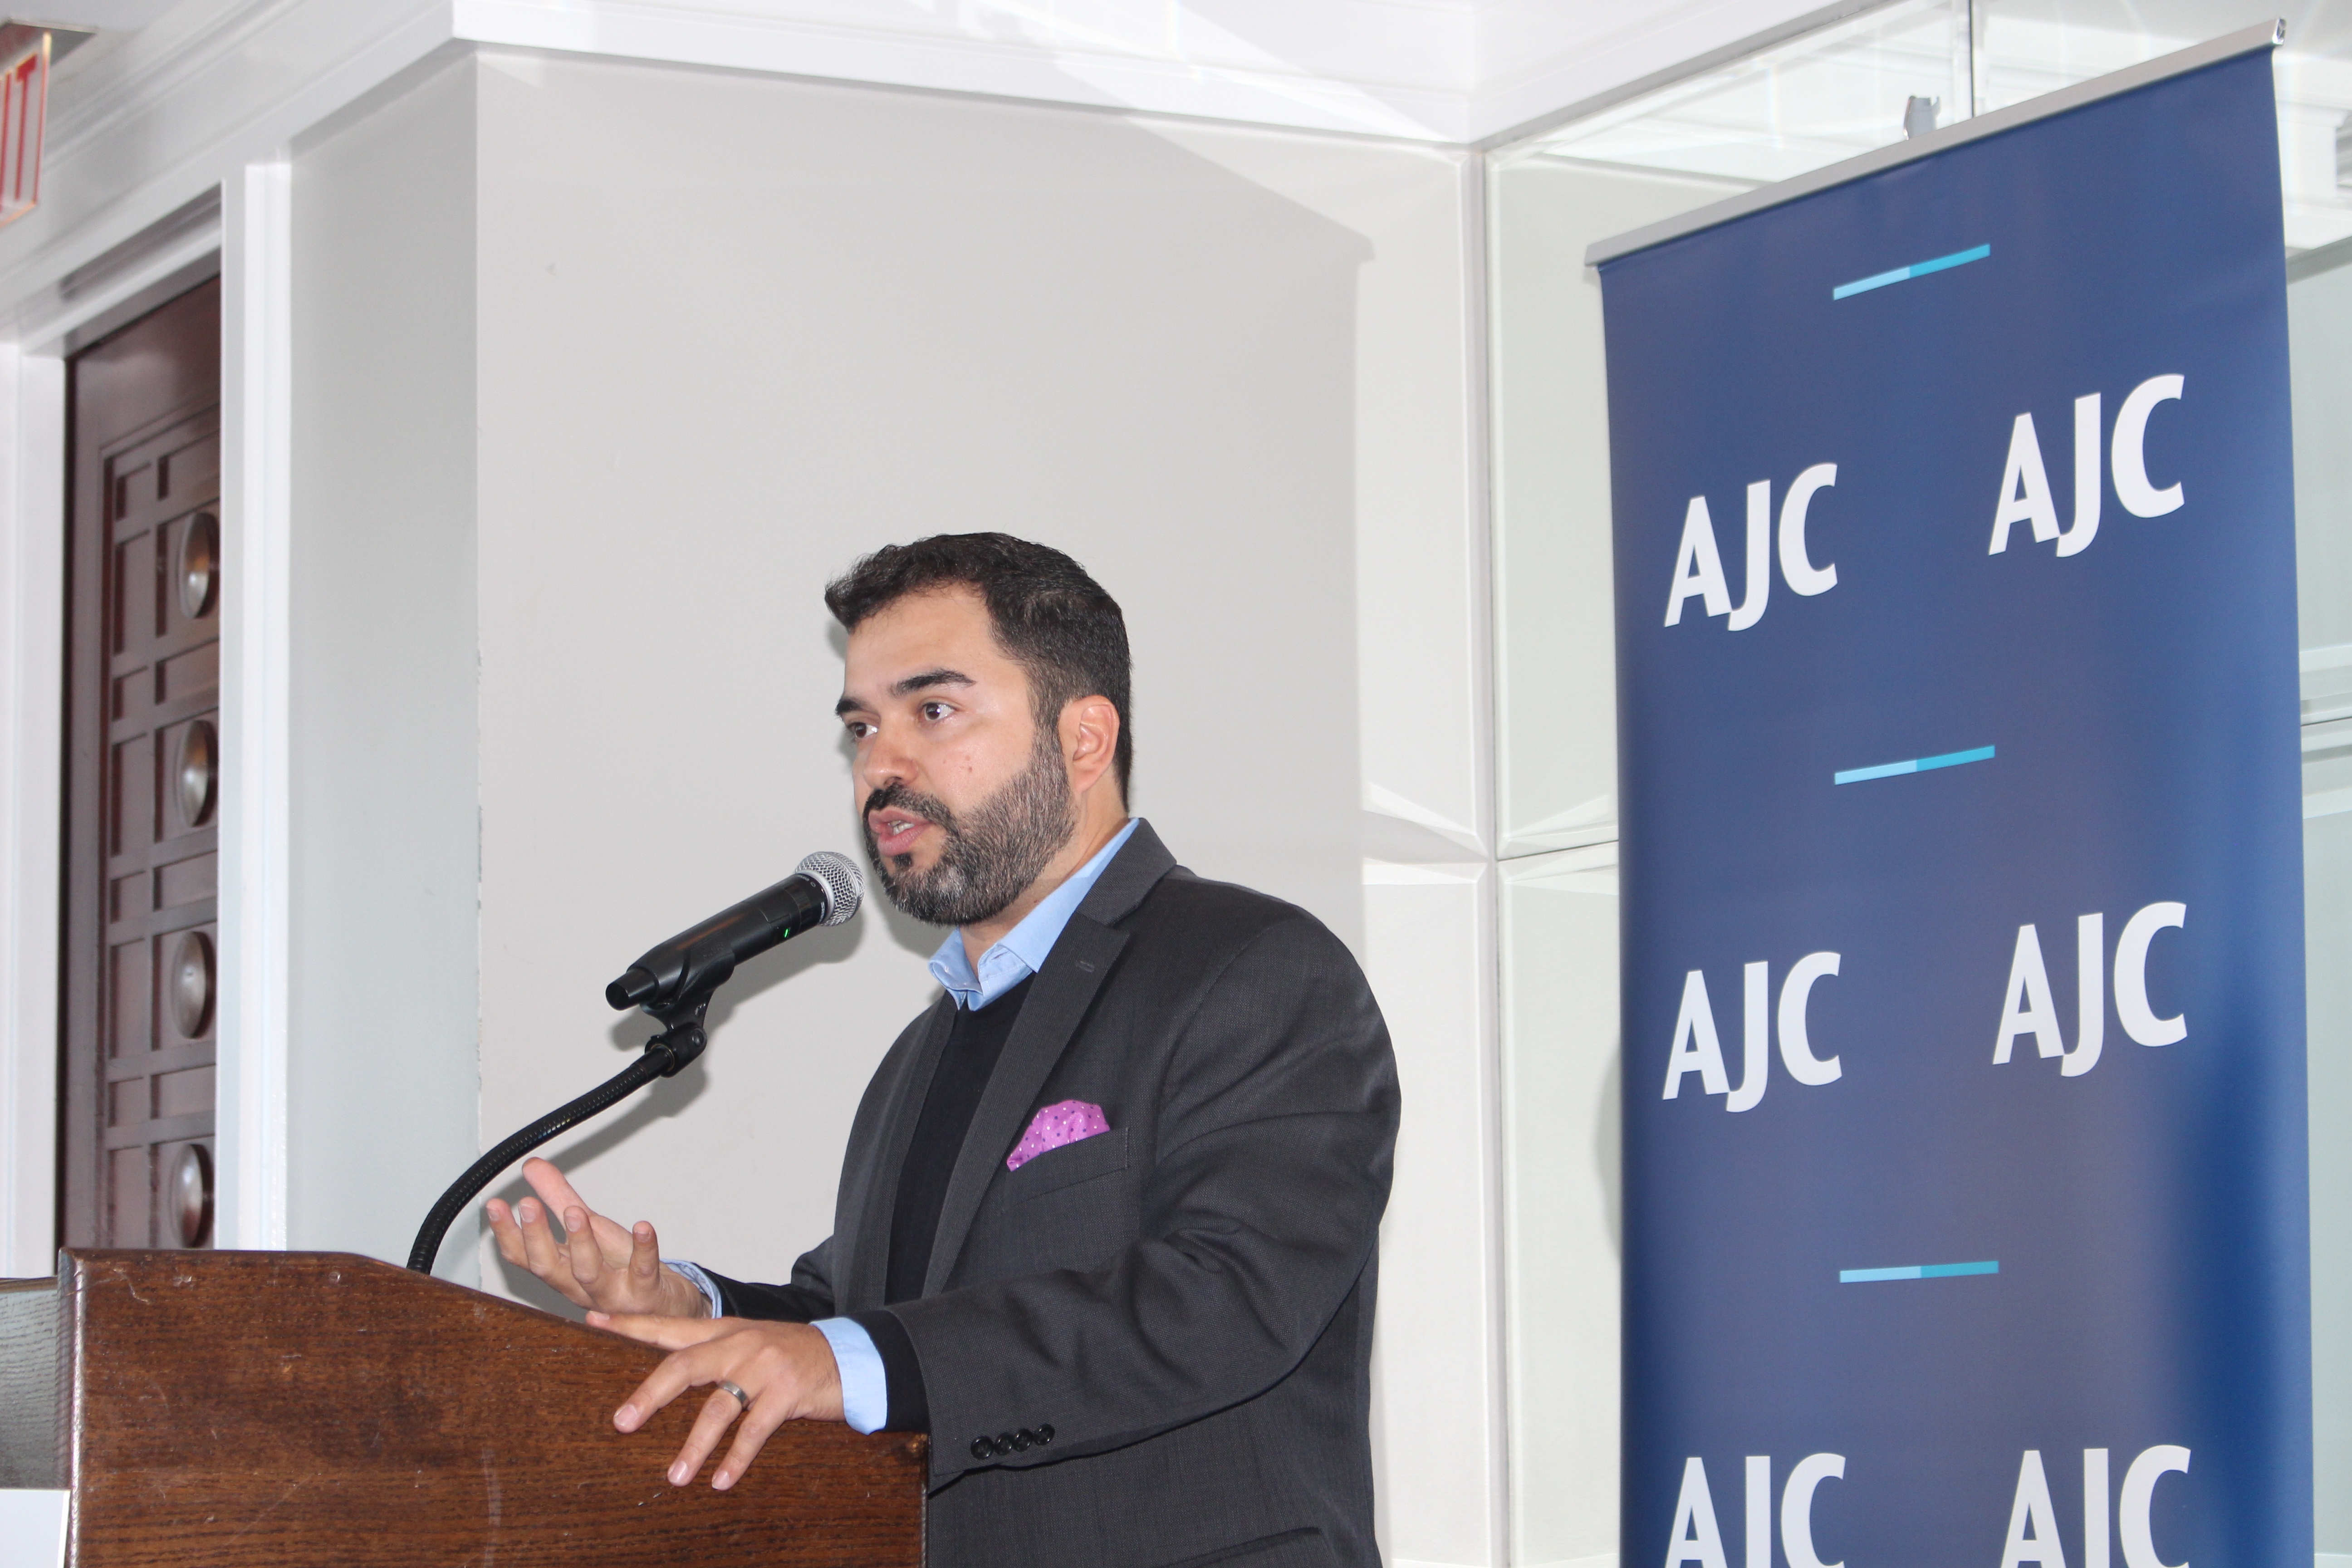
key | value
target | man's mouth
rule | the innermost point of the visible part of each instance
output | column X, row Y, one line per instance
column 895, row 831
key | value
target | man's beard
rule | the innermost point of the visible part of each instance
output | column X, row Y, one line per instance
column 989, row 857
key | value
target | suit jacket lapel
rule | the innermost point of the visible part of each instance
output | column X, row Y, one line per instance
column 1058, row 1000
column 866, row 1273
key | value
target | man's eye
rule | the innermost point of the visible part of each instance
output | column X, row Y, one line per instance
column 857, row 730
column 936, row 710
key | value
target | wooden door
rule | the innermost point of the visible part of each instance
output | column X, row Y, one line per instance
column 142, row 952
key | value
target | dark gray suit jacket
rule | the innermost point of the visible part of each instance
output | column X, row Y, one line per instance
column 1186, row 1299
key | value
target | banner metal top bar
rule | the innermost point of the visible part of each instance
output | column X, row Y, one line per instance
column 2245, row 40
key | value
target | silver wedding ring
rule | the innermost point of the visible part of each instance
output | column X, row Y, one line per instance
column 740, row 1398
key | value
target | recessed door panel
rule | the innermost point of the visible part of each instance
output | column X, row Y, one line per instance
column 143, row 793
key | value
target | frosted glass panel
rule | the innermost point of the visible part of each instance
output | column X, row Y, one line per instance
column 2028, row 47
column 2319, row 324
column 1822, row 98
column 1562, row 1203
column 2328, row 903
column 1556, row 675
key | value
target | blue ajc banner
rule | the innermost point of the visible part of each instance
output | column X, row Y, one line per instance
column 1965, row 1144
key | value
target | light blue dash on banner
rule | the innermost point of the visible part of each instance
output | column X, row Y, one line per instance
column 1917, row 269
column 1916, row 1271
column 1916, row 765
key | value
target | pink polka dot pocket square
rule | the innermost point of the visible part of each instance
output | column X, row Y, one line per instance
column 1069, row 1121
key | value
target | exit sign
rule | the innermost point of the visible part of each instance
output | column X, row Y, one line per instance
column 24, row 110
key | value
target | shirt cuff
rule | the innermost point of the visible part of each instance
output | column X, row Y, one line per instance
column 864, row 1388
column 910, row 1404
column 693, row 1275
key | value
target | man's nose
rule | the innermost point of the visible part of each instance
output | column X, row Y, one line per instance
column 884, row 762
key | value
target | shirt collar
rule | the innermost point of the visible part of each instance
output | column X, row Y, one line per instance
column 1020, row 952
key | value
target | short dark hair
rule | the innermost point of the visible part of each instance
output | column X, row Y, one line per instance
column 1049, row 616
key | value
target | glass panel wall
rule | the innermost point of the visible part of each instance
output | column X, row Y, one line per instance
column 2319, row 330
column 1824, row 96
column 2028, row 47
column 1796, row 107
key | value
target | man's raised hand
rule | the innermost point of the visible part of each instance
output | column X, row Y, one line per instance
column 598, row 1263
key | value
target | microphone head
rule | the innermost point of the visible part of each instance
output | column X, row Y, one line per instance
column 843, row 885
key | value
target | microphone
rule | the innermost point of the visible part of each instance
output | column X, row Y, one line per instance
column 824, row 891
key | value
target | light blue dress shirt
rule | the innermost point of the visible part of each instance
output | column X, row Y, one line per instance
column 1018, row 954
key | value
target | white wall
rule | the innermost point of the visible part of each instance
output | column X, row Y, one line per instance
column 380, row 1075
column 32, row 680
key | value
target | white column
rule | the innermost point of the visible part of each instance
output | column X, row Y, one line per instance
column 32, row 675
column 256, row 369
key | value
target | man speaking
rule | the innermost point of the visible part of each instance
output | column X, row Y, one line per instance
column 1106, row 1222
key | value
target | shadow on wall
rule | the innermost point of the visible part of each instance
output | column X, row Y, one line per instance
column 666, row 1098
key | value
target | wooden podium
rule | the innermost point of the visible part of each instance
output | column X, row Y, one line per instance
column 284, row 1408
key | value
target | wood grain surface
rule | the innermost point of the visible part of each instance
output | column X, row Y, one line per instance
column 299, row 1409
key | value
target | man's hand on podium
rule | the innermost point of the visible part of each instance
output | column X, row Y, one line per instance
column 599, row 1263
column 786, row 1372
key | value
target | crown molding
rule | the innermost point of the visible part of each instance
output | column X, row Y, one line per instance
column 1395, row 68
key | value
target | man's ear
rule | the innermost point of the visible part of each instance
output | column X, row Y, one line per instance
column 1090, row 739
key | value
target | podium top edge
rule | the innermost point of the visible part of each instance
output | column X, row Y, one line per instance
column 2229, row 46
column 70, row 1256
column 77, row 1266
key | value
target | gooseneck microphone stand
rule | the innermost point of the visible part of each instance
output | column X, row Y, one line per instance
column 673, row 982
column 666, row 1055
